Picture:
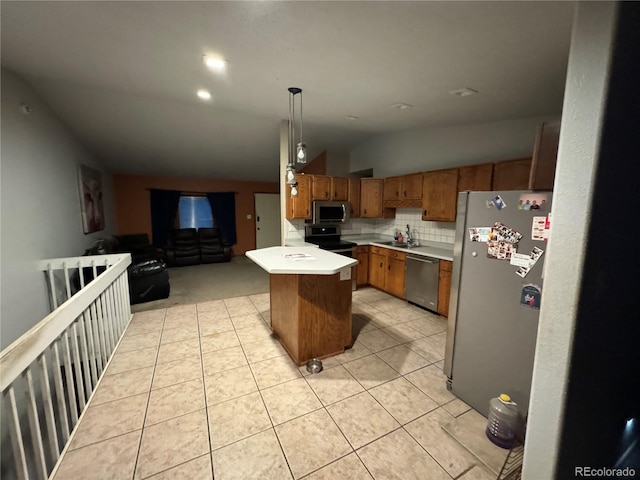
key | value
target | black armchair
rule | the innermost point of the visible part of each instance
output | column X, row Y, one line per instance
column 183, row 248
column 212, row 250
column 148, row 275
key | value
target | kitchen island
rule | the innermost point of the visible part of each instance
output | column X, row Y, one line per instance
column 310, row 293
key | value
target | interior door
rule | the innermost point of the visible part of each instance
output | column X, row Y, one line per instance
column 268, row 219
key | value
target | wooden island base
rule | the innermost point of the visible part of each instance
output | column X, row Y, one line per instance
column 311, row 314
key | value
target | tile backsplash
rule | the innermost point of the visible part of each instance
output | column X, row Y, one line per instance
column 425, row 231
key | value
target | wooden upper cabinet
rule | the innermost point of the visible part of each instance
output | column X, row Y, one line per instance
column 412, row 186
column 339, row 188
column 511, row 174
column 300, row 205
column 321, row 189
column 403, row 191
column 545, row 154
column 371, row 190
column 392, row 188
column 475, row 178
column 354, row 196
column 440, row 195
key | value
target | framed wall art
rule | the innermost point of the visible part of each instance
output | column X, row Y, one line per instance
column 91, row 199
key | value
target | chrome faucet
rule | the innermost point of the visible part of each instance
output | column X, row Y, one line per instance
column 409, row 239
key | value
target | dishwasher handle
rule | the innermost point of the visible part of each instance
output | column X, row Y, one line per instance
column 423, row 260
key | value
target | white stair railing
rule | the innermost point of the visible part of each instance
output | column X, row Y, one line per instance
column 48, row 375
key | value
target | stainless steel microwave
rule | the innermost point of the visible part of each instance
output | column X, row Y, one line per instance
column 325, row 211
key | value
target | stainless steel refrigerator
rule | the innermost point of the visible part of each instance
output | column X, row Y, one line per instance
column 496, row 288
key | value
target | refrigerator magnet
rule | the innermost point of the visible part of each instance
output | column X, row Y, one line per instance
column 506, row 233
column 532, row 201
column 479, row 234
column 537, row 228
column 530, row 296
column 501, row 250
column 498, row 202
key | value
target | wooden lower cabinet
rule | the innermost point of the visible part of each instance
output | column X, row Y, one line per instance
column 387, row 270
column 394, row 276
column 377, row 267
column 311, row 314
column 444, row 287
column 362, row 275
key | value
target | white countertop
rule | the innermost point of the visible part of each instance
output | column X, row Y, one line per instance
column 300, row 260
column 442, row 251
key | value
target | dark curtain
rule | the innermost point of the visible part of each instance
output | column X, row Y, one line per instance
column 223, row 208
column 164, row 207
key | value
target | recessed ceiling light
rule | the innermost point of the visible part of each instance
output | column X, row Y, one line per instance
column 214, row 63
column 463, row 92
column 204, row 94
column 402, row 106
column 352, row 117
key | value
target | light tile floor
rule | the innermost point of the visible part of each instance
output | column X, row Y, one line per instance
column 197, row 391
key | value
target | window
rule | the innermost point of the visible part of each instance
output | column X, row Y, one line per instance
column 194, row 212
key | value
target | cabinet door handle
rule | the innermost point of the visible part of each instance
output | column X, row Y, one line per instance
column 424, row 213
column 365, row 211
column 388, row 267
column 405, row 193
column 380, row 264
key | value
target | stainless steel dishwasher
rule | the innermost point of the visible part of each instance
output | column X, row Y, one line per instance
column 421, row 281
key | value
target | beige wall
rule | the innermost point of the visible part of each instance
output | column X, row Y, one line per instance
column 133, row 208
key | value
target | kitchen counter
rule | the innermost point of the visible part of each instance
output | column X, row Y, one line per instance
column 310, row 296
column 442, row 251
column 300, row 260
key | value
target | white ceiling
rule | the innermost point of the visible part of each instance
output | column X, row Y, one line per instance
column 123, row 75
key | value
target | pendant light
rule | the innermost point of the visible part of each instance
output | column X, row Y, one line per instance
column 297, row 150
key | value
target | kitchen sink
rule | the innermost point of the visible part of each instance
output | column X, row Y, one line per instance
column 398, row 245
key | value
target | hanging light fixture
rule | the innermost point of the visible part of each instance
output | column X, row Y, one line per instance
column 298, row 150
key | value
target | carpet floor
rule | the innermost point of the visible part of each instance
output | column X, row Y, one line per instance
column 213, row 281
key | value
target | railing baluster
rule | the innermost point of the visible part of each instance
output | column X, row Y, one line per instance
column 104, row 343
column 67, row 283
column 88, row 385
column 93, row 353
column 52, row 287
column 81, row 274
column 79, row 367
column 121, row 307
column 60, row 397
column 71, row 390
column 98, row 335
column 107, row 321
column 34, row 426
column 16, row 437
column 52, row 433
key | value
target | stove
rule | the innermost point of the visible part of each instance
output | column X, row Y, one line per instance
column 327, row 237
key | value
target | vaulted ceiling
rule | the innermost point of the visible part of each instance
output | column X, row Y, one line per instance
column 123, row 75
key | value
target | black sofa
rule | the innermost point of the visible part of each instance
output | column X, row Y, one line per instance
column 183, row 247
column 212, row 249
column 148, row 274
column 188, row 246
